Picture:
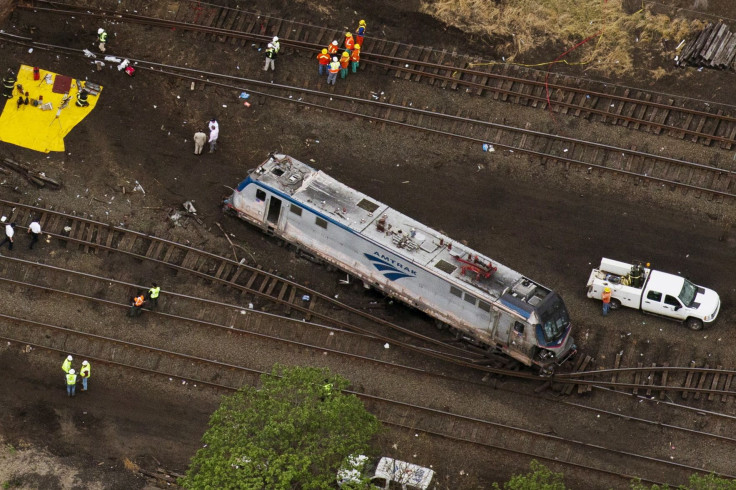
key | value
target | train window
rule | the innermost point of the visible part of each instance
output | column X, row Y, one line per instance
column 519, row 328
column 654, row 296
column 456, row 291
column 320, row 222
column 470, row 298
column 296, row 209
column 367, row 205
column 484, row 306
column 260, row 195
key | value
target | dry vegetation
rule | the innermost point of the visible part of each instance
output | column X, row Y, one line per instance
column 517, row 27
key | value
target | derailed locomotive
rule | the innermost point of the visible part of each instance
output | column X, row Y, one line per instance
column 487, row 303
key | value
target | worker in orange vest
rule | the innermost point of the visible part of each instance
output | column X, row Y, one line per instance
column 360, row 32
column 606, row 297
column 349, row 43
column 136, row 304
column 344, row 62
column 333, row 69
column 324, row 60
column 332, row 48
column 355, row 58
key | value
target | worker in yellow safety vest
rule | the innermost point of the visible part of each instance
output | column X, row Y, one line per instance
column 333, row 70
column 153, row 294
column 84, row 373
column 71, row 382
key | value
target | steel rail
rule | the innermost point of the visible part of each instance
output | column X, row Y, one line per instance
column 526, row 151
column 136, row 18
column 374, row 398
column 229, row 329
column 326, row 298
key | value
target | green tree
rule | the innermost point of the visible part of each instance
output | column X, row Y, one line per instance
column 292, row 432
column 539, row 478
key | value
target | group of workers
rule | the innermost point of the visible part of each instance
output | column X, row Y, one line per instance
column 34, row 229
column 332, row 65
column 142, row 299
column 71, row 377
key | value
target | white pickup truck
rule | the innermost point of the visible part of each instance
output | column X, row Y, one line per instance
column 654, row 292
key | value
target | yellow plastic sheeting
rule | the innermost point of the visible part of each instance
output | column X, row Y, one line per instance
column 37, row 129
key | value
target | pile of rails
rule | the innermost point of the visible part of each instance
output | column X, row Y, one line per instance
column 715, row 47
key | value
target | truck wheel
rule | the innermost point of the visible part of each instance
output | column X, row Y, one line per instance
column 694, row 324
column 615, row 304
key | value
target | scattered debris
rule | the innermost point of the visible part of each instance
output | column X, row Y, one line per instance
column 38, row 178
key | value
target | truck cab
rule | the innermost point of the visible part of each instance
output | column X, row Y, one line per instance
column 655, row 292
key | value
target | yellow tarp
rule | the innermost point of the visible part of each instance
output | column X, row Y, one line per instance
column 37, row 129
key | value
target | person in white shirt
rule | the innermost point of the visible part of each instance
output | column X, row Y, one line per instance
column 35, row 230
column 214, row 133
column 9, row 232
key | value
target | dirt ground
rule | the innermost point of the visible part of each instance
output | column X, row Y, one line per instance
column 551, row 225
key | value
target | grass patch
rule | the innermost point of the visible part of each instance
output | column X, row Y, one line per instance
column 518, row 27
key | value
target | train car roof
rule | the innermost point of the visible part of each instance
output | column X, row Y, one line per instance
column 399, row 233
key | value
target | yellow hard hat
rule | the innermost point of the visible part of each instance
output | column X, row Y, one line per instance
column 608, row 290
column 361, row 23
column 357, row 46
column 324, row 51
column 345, row 54
column 348, row 35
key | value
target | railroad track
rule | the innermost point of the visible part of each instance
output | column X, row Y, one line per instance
column 91, row 236
column 482, row 433
column 629, row 163
column 680, row 117
column 663, row 382
column 193, row 369
column 261, row 289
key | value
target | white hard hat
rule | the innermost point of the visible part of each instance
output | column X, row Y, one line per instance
column 275, row 38
column 71, row 371
column 270, row 45
column 100, row 30
column 334, row 42
column 84, row 363
column 334, row 58
column 69, row 357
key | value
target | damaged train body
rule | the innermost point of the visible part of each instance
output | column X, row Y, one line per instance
column 487, row 303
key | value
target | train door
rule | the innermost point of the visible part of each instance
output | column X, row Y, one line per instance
column 273, row 213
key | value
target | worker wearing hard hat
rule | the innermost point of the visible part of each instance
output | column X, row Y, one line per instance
column 360, row 32
column 606, row 298
column 332, row 48
column 334, row 69
column 71, row 382
column 349, row 43
column 344, row 62
column 324, row 60
column 276, row 44
column 101, row 38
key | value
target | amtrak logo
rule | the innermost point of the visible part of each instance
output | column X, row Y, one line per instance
column 390, row 268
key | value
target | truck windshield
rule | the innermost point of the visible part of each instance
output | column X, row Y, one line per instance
column 554, row 320
column 687, row 295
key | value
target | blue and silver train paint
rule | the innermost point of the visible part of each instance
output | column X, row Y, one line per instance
column 485, row 302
